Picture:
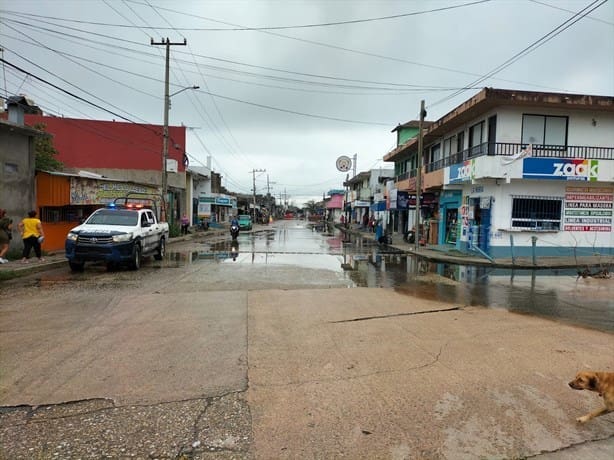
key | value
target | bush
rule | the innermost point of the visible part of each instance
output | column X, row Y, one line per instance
column 174, row 230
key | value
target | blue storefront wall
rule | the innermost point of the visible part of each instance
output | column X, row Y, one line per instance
column 449, row 199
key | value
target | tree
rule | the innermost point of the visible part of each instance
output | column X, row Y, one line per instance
column 311, row 206
column 45, row 151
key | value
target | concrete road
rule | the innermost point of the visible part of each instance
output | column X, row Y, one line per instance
column 366, row 373
column 207, row 359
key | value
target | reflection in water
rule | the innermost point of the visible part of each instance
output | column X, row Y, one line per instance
column 555, row 294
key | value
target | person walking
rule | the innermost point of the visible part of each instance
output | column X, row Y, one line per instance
column 32, row 235
column 185, row 224
column 6, row 233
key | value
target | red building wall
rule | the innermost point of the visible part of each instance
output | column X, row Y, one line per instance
column 111, row 144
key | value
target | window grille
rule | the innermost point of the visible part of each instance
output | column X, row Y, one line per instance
column 536, row 212
column 55, row 214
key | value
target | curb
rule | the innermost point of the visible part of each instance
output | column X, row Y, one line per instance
column 15, row 268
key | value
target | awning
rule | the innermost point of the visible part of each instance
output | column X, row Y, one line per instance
column 335, row 202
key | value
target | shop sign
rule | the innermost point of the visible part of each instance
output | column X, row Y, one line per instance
column 588, row 209
column 85, row 191
column 392, row 198
column 560, row 169
column 218, row 200
column 361, row 204
column 407, row 201
column 462, row 172
column 403, row 200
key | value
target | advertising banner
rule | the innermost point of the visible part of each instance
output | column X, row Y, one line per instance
column 560, row 169
column 402, row 200
column 588, row 209
column 392, row 198
column 218, row 200
column 462, row 172
column 85, row 191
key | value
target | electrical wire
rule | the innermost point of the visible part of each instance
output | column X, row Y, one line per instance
column 363, row 53
column 282, row 36
column 381, row 87
column 294, row 112
column 571, row 11
column 530, row 48
column 300, row 26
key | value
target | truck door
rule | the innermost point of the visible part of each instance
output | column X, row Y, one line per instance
column 146, row 230
column 154, row 231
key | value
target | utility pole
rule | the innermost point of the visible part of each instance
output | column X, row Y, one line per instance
column 268, row 193
column 168, row 44
column 419, row 176
column 254, row 171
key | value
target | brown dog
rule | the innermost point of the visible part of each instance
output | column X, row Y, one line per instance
column 602, row 383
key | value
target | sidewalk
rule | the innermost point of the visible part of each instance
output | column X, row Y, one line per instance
column 446, row 253
column 16, row 268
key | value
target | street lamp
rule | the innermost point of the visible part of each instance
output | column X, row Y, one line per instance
column 167, row 106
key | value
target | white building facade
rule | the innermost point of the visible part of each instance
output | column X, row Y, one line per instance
column 521, row 173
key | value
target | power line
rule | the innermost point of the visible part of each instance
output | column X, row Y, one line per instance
column 571, row 11
column 299, row 26
column 113, row 51
column 65, row 91
column 363, row 53
column 282, row 36
column 278, row 109
column 532, row 47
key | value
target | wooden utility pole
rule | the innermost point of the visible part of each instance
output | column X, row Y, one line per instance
column 254, row 171
column 164, row 181
column 419, row 176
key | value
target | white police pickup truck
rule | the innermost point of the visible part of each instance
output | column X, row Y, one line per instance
column 117, row 235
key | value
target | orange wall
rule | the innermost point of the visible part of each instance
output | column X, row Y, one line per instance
column 55, row 235
column 52, row 190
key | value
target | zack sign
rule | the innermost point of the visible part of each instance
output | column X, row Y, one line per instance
column 462, row 172
column 560, row 169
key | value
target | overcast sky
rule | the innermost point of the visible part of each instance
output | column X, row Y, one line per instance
column 316, row 80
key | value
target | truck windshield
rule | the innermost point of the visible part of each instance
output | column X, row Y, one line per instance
column 114, row 217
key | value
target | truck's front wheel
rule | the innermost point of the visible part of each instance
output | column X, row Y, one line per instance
column 159, row 255
column 135, row 262
column 76, row 266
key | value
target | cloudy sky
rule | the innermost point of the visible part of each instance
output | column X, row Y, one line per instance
column 288, row 86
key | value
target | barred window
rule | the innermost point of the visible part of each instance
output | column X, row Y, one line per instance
column 536, row 212
column 55, row 214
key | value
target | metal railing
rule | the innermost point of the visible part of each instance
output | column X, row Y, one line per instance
column 510, row 149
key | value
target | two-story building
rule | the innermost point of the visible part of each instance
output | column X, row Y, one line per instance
column 366, row 193
column 519, row 173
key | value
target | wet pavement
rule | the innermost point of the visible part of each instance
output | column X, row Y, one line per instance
column 260, row 350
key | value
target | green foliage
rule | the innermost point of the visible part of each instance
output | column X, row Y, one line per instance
column 45, row 152
column 174, row 230
column 311, row 206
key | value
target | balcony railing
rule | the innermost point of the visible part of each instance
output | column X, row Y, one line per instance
column 406, row 175
column 510, row 149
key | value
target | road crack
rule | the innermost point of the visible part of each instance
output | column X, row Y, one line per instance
column 395, row 315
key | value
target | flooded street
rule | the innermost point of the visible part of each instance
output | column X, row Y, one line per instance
column 555, row 294
column 290, row 342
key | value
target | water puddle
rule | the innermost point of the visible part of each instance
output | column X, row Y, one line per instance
column 555, row 294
